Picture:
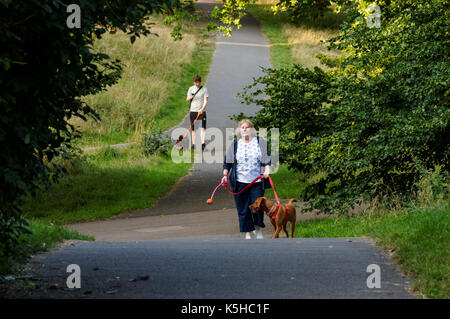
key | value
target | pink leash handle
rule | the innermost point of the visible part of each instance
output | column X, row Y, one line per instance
column 212, row 195
column 222, row 183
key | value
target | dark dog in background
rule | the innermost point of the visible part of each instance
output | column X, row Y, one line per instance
column 179, row 143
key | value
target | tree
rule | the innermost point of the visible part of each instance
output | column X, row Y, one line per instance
column 298, row 9
column 232, row 11
column 45, row 69
column 373, row 125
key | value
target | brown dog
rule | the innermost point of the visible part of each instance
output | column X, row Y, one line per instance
column 278, row 217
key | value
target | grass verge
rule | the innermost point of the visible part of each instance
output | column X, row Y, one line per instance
column 287, row 184
column 272, row 26
column 104, row 183
column 42, row 238
column 419, row 238
column 157, row 72
column 298, row 43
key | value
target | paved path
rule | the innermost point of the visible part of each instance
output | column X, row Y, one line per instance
column 221, row 223
column 182, row 248
column 218, row 268
column 235, row 62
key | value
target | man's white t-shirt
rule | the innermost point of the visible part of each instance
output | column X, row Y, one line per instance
column 199, row 98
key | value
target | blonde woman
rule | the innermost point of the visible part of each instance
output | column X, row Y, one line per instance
column 246, row 159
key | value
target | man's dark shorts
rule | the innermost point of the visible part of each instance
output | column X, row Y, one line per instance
column 202, row 117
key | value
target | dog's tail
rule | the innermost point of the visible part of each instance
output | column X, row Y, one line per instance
column 291, row 201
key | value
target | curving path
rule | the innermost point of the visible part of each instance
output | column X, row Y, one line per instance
column 235, row 62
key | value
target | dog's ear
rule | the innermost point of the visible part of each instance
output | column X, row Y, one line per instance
column 263, row 201
column 259, row 203
column 255, row 205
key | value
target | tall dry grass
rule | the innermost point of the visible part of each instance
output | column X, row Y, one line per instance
column 305, row 35
column 306, row 44
column 150, row 66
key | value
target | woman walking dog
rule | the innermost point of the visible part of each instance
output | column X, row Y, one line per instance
column 243, row 162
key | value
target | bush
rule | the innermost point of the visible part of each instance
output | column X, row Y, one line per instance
column 301, row 9
column 41, row 237
column 155, row 142
column 434, row 186
column 360, row 130
column 45, row 69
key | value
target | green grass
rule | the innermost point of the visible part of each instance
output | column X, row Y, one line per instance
column 272, row 26
column 296, row 43
column 175, row 107
column 107, row 182
column 420, row 238
column 42, row 238
column 287, row 184
column 109, row 137
column 157, row 72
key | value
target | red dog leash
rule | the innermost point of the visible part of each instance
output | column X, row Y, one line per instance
column 274, row 214
column 209, row 201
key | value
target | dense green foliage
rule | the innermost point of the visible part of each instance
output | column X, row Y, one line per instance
column 103, row 183
column 232, row 11
column 155, row 142
column 374, row 125
column 300, row 9
column 45, row 67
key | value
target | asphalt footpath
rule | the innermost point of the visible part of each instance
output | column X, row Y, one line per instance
column 236, row 61
column 217, row 268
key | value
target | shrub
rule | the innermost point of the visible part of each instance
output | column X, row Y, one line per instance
column 155, row 142
column 358, row 131
column 301, row 9
column 434, row 186
column 45, row 69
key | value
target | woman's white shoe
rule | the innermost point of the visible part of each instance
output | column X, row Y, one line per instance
column 259, row 234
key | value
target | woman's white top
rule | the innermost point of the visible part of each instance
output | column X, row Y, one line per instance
column 248, row 156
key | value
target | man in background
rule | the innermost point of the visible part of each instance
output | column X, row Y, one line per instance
column 197, row 96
